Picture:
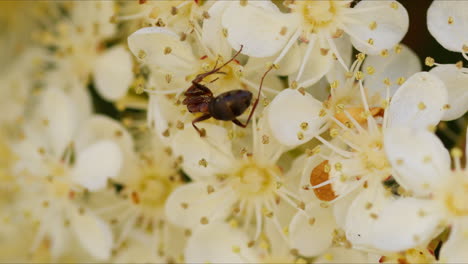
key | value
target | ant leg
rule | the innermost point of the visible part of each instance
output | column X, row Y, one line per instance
column 214, row 80
column 201, row 132
column 237, row 122
column 256, row 101
column 200, row 77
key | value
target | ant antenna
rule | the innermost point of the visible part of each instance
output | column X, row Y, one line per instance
column 200, row 77
column 258, row 96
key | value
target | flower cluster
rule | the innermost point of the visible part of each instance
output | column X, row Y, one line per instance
column 242, row 131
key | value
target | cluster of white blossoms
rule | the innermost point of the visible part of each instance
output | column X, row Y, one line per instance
column 262, row 131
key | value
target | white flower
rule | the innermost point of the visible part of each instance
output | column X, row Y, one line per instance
column 60, row 164
column 424, row 168
column 224, row 243
column 244, row 182
column 265, row 31
column 79, row 42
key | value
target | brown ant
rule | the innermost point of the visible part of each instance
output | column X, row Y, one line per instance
column 226, row 106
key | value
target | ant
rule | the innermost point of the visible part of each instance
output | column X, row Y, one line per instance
column 226, row 106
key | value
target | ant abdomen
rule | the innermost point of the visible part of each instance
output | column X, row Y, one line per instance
column 229, row 105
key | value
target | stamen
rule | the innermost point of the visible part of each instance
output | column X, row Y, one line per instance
column 305, row 59
column 335, row 148
column 291, row 41
column 335, row 51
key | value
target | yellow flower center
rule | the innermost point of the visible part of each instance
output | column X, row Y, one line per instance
column 455, row 194
column 318, row 15
column 253, row 181
column 227, row 78
column 150, row 191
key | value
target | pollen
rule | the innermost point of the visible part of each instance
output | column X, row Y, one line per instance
column 203, row 163
column 401, row 80
column 370, row 41
column 304, row 125
column 300, row 135
column 421, row 106
column 334, row 84
column 370, row 70
column 450, row 20
column 373, row 25
column 283, row 31
column 265, row 139
column 398, row 49
column 429, row 61
column 384, row 53
column 394, row 5
column 361, row 56
column 141, row 54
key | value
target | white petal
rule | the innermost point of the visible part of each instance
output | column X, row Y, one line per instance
column 361, row 215
column 288, row 65
column 97, row 163
column 288, row 111
column 317, row 65
column 392, row 25
column 341, row 206
column 345, row 49
column 419, row 102
column 59, row 111
column 418, row 157
column 392, row 232
column 98, row 128
column 455, row 249
column 189, row 203
column 212, row 30
column 393, row 67
column 160, row 47
column 312, row 234
column 113, row 73
column 214, row 149
column 454, row 35
column 258, row 26
column 217, row 243
column 93, row 233
column 456, row 82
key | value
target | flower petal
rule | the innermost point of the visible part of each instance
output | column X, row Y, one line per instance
column 288, row 111
column 418, row 157
column 312, row 234
column 189, row 203
column 446, row 21
column 317, row 65
column 258, row 26
column 391, row 20
column 362, row 214
column 97, row 163
column 161, row 48
column 61, row 116
column 93, row 233
column 113, row 73
column 403, row 64
column 219, row 243
column 212, row 30
column 456, row 82
column 98, row 128
column 392, row 232
column 419, row 102
column 203, row 157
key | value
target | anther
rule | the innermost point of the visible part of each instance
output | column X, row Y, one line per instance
column 429, row 61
